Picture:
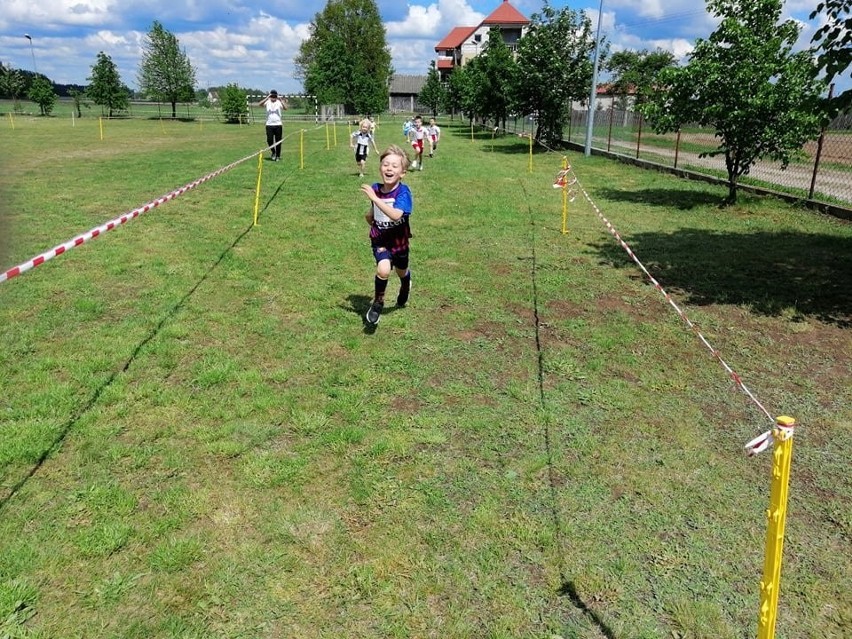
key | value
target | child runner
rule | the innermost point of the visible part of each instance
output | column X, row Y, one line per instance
column 417, row 134
column 406, row 127
column 361, row 140
column 391, row 205
column 434, row 135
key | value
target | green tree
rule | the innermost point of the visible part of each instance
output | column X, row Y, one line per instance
column 555, row 65
column 467, row 85
column 232, row 101
column 41, row 92
column 433, row 94
column 105, row 87
column 636, row 72
column 498, row 73
column 165, row 72
column 834, row 47
column 77, row 97
column 745, row 82
column 454, row 92
column 346, row 59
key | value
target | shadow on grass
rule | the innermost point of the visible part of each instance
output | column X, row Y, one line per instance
column 772, row 274
column 93, row 399
column 681, row 199
column 570, row 590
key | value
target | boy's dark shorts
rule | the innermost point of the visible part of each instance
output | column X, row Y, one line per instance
column 398, row 260
column 360, row 157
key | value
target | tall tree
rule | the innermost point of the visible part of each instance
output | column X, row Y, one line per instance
column 165, row 72
column 555, row 65
column 433, row 94
column 467, row 85
column 746, row 83
column 105, row 87
column 834, row 40
column 346, row 59
column 41, row 92
column 498, row 71
column 636, row 72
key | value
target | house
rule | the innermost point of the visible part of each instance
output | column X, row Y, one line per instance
column 402, row 93
column 464, row 43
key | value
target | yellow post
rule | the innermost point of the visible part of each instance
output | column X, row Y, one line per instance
column 101, row 126
column 257, row 189
column 471, row 131
column 335, row 133
column 782, row 455
column 327, row 141
column 302, row 149
column 12, row 120
column 565, row 197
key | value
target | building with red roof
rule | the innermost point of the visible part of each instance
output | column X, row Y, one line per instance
column 464, row 43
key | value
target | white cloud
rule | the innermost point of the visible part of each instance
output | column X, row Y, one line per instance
column 434, row 20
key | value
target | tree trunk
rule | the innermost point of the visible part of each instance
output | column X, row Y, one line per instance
column 174, row 109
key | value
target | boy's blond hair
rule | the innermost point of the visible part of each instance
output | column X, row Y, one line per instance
column 395, row 149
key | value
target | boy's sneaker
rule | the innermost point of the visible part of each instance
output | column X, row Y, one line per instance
column 374, row 313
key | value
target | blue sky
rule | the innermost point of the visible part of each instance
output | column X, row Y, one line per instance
column 253, row 43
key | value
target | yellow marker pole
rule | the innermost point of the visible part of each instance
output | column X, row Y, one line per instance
column 565, row 197
column 302, row 149
column 12, row 120
column 335, row 133
column 471, row 131
column 257, row 189
column 782, row 455
column 327, row 141
column 101, row 126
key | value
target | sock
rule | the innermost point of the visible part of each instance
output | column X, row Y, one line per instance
column 405, row 282
column 380, row 285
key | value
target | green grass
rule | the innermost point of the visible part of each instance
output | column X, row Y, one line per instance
column 199, row 438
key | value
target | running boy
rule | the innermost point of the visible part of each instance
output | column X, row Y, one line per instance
column 390, row 208
column 417, row 135
column 361, row 140
column 434, row 135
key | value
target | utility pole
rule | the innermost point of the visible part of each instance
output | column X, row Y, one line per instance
column 590, row 121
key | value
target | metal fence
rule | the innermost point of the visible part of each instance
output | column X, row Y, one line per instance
column 821, row 171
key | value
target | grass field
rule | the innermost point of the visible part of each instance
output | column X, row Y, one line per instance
column 199, row 437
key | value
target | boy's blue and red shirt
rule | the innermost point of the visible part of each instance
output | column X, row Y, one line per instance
column 392, row 234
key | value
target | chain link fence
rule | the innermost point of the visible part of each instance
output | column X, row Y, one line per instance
column 820, row 172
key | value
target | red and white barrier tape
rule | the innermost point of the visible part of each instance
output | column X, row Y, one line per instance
column 734, row 376
column 103, row 228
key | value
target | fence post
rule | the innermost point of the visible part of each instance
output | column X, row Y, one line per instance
column 677, row 147
column 639, row 136
column 609, row 133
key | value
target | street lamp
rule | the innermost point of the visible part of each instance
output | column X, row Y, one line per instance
column 590, row 121
column 30, row 38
